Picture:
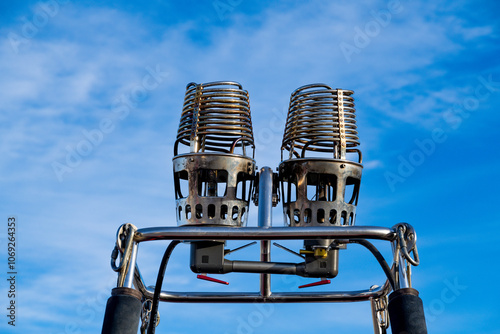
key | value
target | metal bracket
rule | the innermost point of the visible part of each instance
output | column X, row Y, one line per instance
column 126, row 249
column 340, row 109
column 380, row 313
column 146, row 315
column 195, row 140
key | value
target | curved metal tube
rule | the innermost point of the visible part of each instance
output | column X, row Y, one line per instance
column 280, row 297
column 258, row 233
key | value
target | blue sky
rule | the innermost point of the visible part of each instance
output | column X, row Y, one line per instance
column 427, row 89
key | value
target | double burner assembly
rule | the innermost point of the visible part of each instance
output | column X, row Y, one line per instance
column 318, row 183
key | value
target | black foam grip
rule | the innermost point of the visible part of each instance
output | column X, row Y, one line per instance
column 123, row 312
column 406, row 312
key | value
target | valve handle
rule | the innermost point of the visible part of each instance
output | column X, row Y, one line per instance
column 322, row 282
column 211, row 279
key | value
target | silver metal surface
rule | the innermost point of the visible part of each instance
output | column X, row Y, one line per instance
column 265, row 197
column 265, row 220
column 403, row 279
column 341, row 121
column 315, row 191
column 218, row 188
column 264, row 295
column 256, row 233
column 405, row 243
column 376, row 326
column 129, row 277
column 251, row 297
column 265, row 279
column 407, row 238
column 124, row 247
column 280, row 297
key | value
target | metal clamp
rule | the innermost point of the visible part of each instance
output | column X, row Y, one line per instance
column 123, row 248
column 340, row 109
column 382, row 315
column 147, row 305
column 407, row 240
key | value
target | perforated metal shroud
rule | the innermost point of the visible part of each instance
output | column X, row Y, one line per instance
column 320, row 191
column 219, row 189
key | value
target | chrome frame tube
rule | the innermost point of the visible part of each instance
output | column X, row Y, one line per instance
column 279, row 297
column 403, row 279
column 258, row 233
column 129, row 277
column 265, row 197
column 265, row 234
column 265, row 220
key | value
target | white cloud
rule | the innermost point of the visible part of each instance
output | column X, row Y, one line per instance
column 373, row 164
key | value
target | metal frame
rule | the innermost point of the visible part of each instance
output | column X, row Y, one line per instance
column 401, row 236
column 320, row 210
column 264, row 234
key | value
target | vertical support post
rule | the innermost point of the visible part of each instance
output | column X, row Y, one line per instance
column 265, row 196
column 194, row 142
column 402, row 281
column 340, row 109
column 403, row 278
column 123, row 309
column 265, row 218
column 129, row 276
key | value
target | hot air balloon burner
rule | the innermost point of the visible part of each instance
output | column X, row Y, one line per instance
column 214, row 179
column 319, row 182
